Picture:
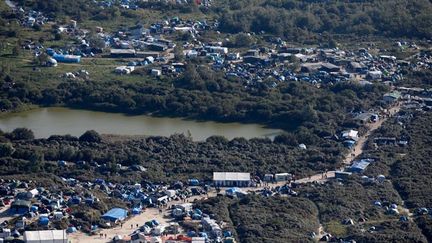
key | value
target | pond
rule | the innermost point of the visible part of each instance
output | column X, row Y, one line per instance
column 61, row 121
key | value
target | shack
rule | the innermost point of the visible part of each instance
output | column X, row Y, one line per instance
column 228, row 179
column 342, row 175
column 392, row 97
column 283, row 177
column 123, row 53
column 46, row 236
column 359, row 166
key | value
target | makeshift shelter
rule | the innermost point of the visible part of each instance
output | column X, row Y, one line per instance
column 359, row 166
column 268, row 177
column 136, row 211
column 67, row 58
column 21, row 206
column 115, row 214
column 71, row 230
column 193, row 182
column 283, row 177
column 43, row 220
column 46, row 236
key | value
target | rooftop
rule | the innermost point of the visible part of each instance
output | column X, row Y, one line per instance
column 46, row 235
column 231, row 176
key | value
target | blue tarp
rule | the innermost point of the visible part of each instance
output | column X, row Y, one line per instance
column 194, row 182
column 43, row 221
column 136, row 211
column 231, row 191
column 349, row 143
column 115, row 214
column 71, row 230
column 66, row 58
column 155, row 222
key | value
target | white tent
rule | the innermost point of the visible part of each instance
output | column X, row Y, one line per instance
column 46, row 236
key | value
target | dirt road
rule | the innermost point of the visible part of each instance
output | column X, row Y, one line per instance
column 356, row 151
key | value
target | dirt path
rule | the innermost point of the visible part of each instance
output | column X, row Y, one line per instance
column 354, row 152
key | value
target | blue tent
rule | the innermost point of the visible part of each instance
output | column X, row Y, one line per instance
column 115, row 214
column 43, row 221
column 349, row 143
column 203, row 234
column 100, row 181
column 75, row 200
column 155, row 222
column 136, row 211
column 71, row 230
column 50, row 51
column 67, row 58
column 196, row 216
column 34, row 208
column 193, row 182
column 231, row 191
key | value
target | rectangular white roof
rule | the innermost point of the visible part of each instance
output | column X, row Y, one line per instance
column 231, row 176
column 46, row 235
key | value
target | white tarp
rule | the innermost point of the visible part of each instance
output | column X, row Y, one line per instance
column 46, row 236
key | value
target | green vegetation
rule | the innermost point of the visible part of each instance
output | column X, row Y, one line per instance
column 300, row 20
column 167, row 159
column 258, row 219
column 293, row 19
column 409, row 167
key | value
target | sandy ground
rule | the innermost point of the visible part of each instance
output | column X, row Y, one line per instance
column 149, row 214
column 129, row 226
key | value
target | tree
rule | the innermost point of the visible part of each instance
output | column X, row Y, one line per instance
column 21, row 134
column 243, row 40
column 178, row 54
column 91, row 136
column 42, row 59
column 57, row 36
column 96, row 42
column 6, row 149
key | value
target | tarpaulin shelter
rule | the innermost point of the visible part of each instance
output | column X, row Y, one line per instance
column 115, row 214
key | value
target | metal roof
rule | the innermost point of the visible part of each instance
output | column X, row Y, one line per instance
column 231, row 176
column 360, row 165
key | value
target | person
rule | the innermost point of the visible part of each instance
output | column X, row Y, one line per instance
column 105, row 236
column 131, row 226
column 121, row 225
column 137, row 225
